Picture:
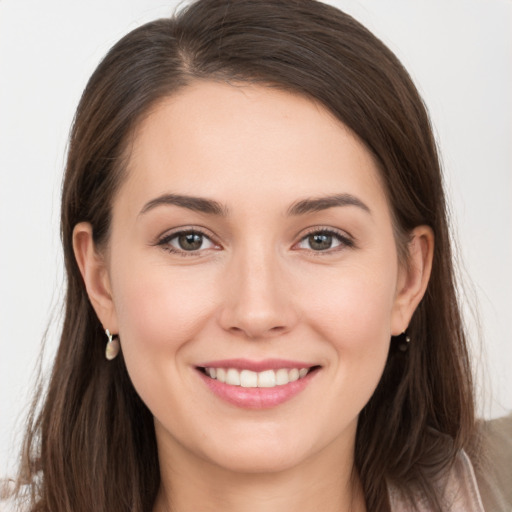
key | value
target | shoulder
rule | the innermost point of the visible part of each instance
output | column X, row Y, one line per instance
column 457, row 490
column 477, row 480
column 492, row 461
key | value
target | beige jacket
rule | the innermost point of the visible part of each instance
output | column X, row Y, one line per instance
column 493, row 468
column 482, row 484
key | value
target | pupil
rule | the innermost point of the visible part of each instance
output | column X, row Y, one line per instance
column 190, row 241
column 320, row 242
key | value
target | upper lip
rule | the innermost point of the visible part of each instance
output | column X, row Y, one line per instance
column 256, row 366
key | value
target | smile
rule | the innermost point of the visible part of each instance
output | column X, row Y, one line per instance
column 252, row 379
column 257, row 385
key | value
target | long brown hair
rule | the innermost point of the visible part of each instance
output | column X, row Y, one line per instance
column 91, row 446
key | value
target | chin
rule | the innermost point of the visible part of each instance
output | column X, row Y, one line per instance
column 270, row 449
column 258, row 461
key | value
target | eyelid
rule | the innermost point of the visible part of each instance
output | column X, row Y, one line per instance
column 346, row 239
column 164, row 239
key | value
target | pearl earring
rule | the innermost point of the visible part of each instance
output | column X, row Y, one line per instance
column 112, row 348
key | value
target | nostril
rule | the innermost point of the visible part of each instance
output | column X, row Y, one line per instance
column 258, row 332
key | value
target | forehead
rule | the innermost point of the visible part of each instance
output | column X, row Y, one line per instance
column 223, row 140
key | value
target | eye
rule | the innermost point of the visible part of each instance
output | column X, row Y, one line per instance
column 324, row 240
column 186, row 242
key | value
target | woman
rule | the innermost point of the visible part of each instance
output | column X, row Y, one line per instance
column 261, row 312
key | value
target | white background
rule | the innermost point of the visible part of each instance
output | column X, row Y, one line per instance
column 459, row 52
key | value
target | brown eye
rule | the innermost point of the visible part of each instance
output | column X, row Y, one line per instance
column 320, row 241
column 187, row 241
column 325, row 241
column 190, row 241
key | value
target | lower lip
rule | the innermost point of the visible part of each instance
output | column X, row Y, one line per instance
column 257, row 398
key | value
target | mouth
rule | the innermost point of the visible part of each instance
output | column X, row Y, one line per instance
column 246, row 378
column 257, row 384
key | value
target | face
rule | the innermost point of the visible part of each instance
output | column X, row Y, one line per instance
column 252, row 275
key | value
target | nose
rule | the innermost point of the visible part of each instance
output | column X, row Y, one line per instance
column 258, row 300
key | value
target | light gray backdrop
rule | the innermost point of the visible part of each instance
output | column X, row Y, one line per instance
column 460, row 54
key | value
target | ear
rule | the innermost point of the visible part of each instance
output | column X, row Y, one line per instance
column 413, row 278
column 94, row 272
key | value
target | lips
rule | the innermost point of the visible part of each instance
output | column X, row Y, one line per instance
column 256, row 384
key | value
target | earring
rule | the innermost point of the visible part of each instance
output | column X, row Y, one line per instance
column 112, row 348
column 403, row 341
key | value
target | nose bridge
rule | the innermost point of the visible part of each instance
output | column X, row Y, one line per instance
column 257, row 303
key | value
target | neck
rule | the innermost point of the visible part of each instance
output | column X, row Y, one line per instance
column 326, row 482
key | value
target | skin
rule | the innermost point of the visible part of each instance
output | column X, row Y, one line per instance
column 257, row 288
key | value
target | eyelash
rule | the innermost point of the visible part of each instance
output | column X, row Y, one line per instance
column 345, row 241
column 165, row 241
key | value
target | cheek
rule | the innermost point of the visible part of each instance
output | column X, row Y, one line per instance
column 159, row 312
column 352, row 316
column 349, row 319
column 357, row 306
column 155, row 299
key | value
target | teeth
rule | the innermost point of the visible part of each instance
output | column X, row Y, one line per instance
column 294, row 375
column 221, row 374
column 267, row 379
column 282, row 377
column 250, row 379
column 233, row 377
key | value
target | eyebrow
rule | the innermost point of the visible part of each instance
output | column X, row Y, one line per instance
column 211, row 207
column 312, row 205
column 198, row 204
